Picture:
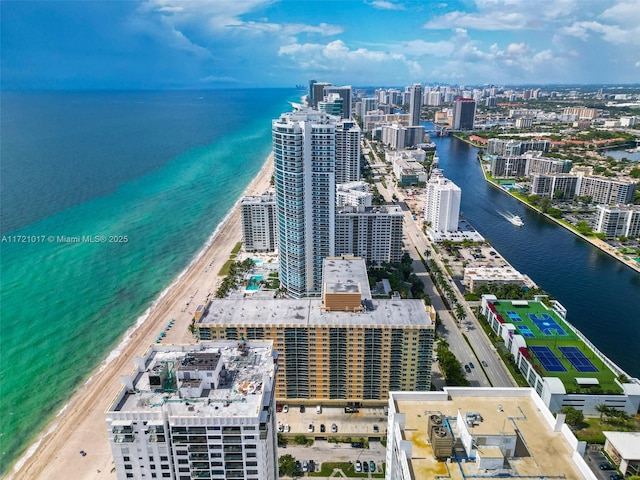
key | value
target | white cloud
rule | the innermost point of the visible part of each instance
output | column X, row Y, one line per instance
column 385, row 5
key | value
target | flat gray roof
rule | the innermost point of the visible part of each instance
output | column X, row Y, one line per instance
column 309, row 312
column 346, row 274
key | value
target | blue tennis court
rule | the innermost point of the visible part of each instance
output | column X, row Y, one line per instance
column 513, row 316
column 547, row 325
column 525, row 331
column 548, row 359
column 578, row 359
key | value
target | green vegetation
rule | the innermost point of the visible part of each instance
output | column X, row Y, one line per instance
column 235, row 272
column 573, row 417
column 450, row 366
column 508, row 290
column 400, row 276
column 287, row 465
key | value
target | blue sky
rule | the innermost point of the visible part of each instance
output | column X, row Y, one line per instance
column 253, row 43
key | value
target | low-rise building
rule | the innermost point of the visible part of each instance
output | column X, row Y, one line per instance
column 407, row 166
column 624, row 449
column 197, row 411
column 556, row 359
column 353, row 193
column 476, row 276
column 466, row 432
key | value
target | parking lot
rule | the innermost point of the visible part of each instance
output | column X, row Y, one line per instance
column 322, row 451
column 331, row 422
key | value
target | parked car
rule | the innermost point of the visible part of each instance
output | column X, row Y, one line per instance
column 278, row 408
column 358, row 466
column 365, row 467
column 318, row 409
column 305, row 466
column 287, row 428
column 350, row 410
column 310, row 428
column 322, row 428
column 301, row 408
column 606, row 466
column 467, row 369
column 280, row 427
column 616, row 476
column 334, row 428
column 312, row 466
column 357, row 444
column 372, row 466
column 376, row 429
column 285, row 408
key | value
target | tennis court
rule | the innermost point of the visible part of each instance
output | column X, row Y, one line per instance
column 513, row 316
column 548, row 359
column 525, row 331
column 578, row 359
column 547, row 325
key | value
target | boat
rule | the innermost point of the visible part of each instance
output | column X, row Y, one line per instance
column 514, row 219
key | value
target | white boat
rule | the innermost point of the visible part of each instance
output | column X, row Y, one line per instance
column 514, row 219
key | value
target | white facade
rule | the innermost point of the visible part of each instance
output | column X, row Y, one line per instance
column 373, row 233
column 442, row 204
column 197, row 411
column 617, row 220
column 304, row 150
column 353, row 193
column 259, row 223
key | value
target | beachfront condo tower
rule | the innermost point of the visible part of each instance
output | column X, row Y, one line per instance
column 197, row 411
column 304, row 152
column 347, row 152
column 442, row 203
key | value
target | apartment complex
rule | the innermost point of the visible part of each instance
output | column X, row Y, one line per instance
column 343, row 347
column 347, row 151
column 304, row 151
column 415, row 104
column 617, row 220
column 464, row 113
column 510, row 148
column 466, row 432
column 373, row 233
column 557, row 360
column 408, row 166
column 601, row 189
column 442, row 203
column 525, row 165
column 197, row 411
column 353, row 193
column 259, row 223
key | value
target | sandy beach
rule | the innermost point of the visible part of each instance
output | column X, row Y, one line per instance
column 81, row 424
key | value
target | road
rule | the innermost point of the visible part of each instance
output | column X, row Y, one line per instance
column 495, row 373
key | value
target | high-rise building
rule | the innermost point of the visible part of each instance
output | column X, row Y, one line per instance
column 369, row 104
column 347, row 151
column 343, row 347
column 464, row 113
column 317, row 94
column 345, row 93
column 259, row 222
column 416, row 104
column 373, row 233
column 617, row 220
column 442, row 204
column 353, row 193
column 304, row 151
column 197, row 411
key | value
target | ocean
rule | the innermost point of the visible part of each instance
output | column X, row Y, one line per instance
column 106, row 197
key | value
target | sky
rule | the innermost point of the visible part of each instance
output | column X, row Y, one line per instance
column 158, row 44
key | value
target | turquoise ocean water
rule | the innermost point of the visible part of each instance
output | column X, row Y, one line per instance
column 161, row 168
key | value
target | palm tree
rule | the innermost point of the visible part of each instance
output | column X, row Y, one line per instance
column 603, row 410
column 460, row 313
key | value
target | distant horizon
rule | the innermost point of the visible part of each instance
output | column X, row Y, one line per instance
column 175, row 44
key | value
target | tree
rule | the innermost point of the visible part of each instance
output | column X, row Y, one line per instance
column 573, row 417
column 603, row 410
column 460, row 313
column 287, row 465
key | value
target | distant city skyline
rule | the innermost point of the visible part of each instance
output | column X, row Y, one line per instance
column 270, row 43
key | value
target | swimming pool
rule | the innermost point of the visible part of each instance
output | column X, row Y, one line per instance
column 254, row 282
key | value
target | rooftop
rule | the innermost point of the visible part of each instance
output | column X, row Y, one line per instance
column 309, row 312
column 546, row 335
column 221, row 379
column 626, row 443
column 497, row 415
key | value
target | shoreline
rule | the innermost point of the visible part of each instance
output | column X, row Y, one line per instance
column 80, row 423
column 596, row 242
